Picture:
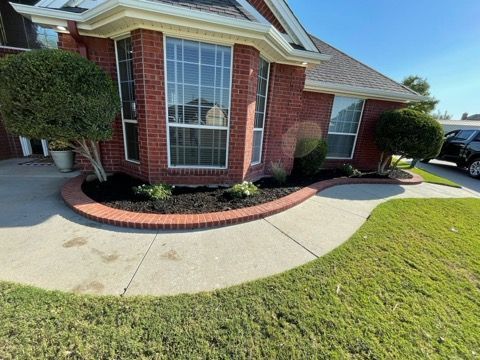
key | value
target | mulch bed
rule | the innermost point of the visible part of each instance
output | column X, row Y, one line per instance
column 117, row 193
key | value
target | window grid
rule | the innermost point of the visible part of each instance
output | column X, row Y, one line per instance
column 344, row 126
column 260, row 111
column 126, row 82
column 198, row 103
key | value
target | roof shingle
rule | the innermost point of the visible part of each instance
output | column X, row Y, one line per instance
column 344, row 70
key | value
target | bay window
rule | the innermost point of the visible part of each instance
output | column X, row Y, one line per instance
column 344, row 125
column 127, row 94
column 198, row 103
column 260, row 110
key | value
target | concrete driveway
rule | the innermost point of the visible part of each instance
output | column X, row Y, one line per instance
column 452, row 172
column 44, row 243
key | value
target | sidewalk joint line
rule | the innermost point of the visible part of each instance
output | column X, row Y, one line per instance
column 140, row 264
column 291, row 238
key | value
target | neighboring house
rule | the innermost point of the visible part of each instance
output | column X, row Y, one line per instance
column 214, row 91
column 451, row 125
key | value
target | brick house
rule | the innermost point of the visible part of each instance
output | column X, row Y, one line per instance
column 214, row 91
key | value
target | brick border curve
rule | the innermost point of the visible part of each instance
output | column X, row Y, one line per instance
column 77, row 200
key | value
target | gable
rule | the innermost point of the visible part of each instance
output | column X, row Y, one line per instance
column 265, row 11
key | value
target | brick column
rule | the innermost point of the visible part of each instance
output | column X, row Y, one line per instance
column 284, row 110
column 148, row 59
column 244, row 93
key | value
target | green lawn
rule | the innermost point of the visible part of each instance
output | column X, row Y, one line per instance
column 428, row 176
column 407, row 285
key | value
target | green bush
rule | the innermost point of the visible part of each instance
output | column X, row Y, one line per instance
column 55, row 94
column 154, row 192
column 243, row 190
column 408, row 134
column 278, row 171
column 310, row 154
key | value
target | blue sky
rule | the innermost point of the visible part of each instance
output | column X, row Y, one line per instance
column 436, row 39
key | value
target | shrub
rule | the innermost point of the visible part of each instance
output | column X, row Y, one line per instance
column 278, row 171
column 243, row 190
column 59, row 145
column 351, row 171
column 310, row 154
column 55, row 94
column 408, row 134
column 154, row 192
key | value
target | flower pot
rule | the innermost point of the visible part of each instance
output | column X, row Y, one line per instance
column 63, row 160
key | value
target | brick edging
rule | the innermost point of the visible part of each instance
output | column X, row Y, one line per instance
column 76, row 199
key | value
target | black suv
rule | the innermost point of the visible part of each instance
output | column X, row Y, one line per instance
column 463, row 148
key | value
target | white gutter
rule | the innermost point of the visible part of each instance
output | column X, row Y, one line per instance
column 332, row 88
column 92, row 19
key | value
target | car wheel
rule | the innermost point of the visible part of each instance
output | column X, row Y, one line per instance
column 474, row 169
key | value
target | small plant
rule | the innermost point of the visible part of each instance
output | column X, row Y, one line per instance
column 243, row 190
column 154, row 192
column 59, row 145
column 278, row 171
column 310, row 153
column 351, row 171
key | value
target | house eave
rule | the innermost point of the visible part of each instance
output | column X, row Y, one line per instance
column 113, row 18
column 363, row 92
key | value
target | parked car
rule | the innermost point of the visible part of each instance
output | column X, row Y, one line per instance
column 463, row 148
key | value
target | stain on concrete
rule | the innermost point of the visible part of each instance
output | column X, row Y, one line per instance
column 106, row 258
column 171, row 255
column 75, row 242
column 95, row 287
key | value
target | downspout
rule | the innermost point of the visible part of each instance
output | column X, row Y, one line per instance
column 73, row 29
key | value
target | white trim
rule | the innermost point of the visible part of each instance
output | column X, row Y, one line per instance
column 115, row 17
column 264, row 118
column 14, row 48
column 363, row 92
column 348, row 134
column 130, row 121
column 45, row 147
column 27, row 146
column 193, row 126
column 289, row 21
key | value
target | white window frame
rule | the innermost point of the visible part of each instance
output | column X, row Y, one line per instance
column 262, row 130
column 121, row 108
column 192, row 126
column 347, row 134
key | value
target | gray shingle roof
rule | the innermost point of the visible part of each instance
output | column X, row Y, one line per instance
column 344, row 70
column 230, row 8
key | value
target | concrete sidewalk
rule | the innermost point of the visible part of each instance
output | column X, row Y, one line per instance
column 45, row 244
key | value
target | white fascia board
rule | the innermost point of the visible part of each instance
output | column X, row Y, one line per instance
column 111, row 10
column 288, row 20
column 364, row 92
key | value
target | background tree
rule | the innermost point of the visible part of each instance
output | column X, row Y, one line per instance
column 443, row 116
column 422, row 87
column 59, row 95
column 464, row 116
column 409, row 134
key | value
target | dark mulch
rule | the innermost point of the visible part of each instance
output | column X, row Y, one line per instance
column 117, row 193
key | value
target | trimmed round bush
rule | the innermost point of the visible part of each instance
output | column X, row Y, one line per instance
column 55, row 94
column 409, row 133
column 310, row 154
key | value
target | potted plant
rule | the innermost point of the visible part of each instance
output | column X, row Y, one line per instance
column 62, row 155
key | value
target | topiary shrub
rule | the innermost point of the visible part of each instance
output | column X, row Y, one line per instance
column 310, row 153
column 55, row 94
column 408, row 134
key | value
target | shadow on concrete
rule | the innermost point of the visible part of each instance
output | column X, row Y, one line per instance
column 362, row 192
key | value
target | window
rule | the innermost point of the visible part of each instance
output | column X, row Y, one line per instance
column 260, row 109
column 127, row 94
column 198, row 98
column 19, row 32
column 464, row 134
column 344, row 124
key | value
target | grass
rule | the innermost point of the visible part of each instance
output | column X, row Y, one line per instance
column 428, row 176
column 406, row 285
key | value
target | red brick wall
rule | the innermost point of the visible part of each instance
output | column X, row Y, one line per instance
column 9, row 144
column 263, row 9
column 317, row 108
column 284, row 109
